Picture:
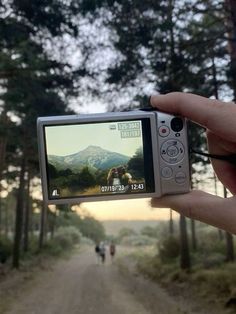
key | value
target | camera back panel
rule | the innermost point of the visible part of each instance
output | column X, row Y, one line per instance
column 112, row 156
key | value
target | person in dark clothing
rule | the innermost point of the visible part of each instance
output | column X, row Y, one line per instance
column 97, row 252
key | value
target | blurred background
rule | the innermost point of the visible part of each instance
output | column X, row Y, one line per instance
column 60, row 57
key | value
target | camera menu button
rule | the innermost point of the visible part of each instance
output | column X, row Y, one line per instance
column 180, row 177
column 166, row 172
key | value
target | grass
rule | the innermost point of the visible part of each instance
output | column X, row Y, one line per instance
column 215, row 285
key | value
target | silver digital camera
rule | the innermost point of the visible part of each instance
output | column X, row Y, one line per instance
column 112, row 156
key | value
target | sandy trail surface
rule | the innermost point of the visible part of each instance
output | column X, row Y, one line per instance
column 80, row 286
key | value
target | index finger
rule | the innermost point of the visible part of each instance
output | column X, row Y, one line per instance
column 215, row 115
column 203, row 207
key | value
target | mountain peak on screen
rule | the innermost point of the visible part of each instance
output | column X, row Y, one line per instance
column 92, row 156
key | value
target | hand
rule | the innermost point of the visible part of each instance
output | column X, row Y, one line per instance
column 219, row 119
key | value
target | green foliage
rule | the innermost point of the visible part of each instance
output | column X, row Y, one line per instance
column 86, row 179
column 101, row 177
column 221, row 280
column 149, row 231
column 54, row 248
column 149, row 264
column 86, row 241
column 5, row 249
column 64, row 240
column 66, row 237
column 137, row 240
column 169, row 248
column 71, row 232
column 135, row 165
column 125, row 232
column 72, row 180
column 92, row 229
column 88, row 226
column 215, row 285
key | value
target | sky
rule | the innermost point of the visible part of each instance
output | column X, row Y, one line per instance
column 65, row 140
column 135, row 209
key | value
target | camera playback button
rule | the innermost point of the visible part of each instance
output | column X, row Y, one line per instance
column 166, row 172
column 180, row 177
column 164, row 131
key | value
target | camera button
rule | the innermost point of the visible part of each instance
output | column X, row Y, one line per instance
column 172, row 151
column 180, row 177
column 166, row 172
column 164, row 131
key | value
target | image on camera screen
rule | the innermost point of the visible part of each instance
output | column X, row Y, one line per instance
column 99, row 158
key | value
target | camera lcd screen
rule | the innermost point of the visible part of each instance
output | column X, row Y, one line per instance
column 99, row 158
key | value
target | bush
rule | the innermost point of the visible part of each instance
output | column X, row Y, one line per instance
column 66, row 237
column 52, row 247
column 86, row 241
column 138, row 240
column 208, row 242
column 169, row 249
column 218, row 281
column 5, row 249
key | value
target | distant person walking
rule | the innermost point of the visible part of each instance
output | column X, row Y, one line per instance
column 97, row 252
column 112, row 250
column 103, row 252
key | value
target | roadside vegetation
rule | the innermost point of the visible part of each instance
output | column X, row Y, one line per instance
column 69, row 231
column 210, row 279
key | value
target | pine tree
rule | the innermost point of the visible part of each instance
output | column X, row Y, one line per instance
column 33, row 83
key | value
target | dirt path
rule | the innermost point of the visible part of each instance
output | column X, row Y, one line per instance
column 79, row 286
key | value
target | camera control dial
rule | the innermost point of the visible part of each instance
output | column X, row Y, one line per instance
column 172, row 151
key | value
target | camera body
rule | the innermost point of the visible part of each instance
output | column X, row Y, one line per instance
column 112, row 156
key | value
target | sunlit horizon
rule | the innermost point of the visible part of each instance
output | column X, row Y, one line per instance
column 135, row 209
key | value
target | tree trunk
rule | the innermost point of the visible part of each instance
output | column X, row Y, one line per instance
column 6, row 224
column 19, row 217
column 229, row 247
column 184, row 247
column 193, row 234
column 43, row 225
column 26, row 216
column 220, row 233
column 3, row 143
column 231, row 30
column 53, row 224
column 229, row 241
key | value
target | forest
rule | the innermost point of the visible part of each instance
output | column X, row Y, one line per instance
column 59, row 57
